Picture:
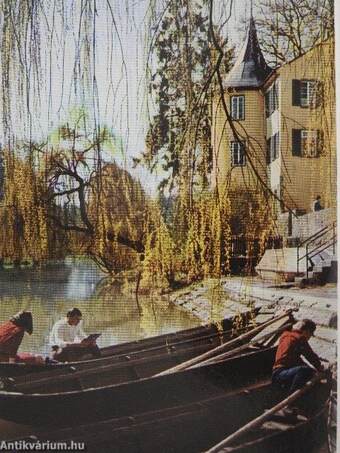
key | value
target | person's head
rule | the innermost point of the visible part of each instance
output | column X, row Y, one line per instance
column 306, row 327
column 318, row 197
column 74, row 316
column 23, row 319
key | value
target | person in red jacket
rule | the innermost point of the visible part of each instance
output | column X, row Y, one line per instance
column 289, row 369
column 12, row 333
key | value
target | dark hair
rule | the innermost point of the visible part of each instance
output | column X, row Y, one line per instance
column 74, row 312
column 23, row 319
column 305, row 324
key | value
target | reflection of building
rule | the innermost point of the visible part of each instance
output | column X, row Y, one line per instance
column 282, row 133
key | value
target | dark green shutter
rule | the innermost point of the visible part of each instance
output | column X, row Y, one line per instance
column 296, row 92
column 296, row 142
column 243, row 153
column 267, row 103
column 320, row 143
column 276, row 96
column 268, row 152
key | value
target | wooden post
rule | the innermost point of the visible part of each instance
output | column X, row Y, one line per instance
column 224, row 347
column 233, row 352
column 258, row 421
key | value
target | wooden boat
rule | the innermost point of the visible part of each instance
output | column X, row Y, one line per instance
column 88, row 404
column 115, row 371
column 210, row 335
column 195, row 427
column 126, row 367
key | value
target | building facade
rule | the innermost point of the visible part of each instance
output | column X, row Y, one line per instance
column 282, row 134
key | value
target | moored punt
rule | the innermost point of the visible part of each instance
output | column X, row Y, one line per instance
column 116, row 371
column 210, row 334
column 134, row 365
column 139, row 367
column 155, row 393
column 280, row 428
column 195, row 427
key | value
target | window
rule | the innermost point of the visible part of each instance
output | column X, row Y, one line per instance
column 237, row 107
column 238, row 155
column 273, row 147
column 306, row 142
column 272, row 99
column 309, row 143
column 307, row 93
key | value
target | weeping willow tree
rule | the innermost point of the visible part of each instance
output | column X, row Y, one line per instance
column 26, row 233
column 178, row 141
column 59, row 178
column 100, row 206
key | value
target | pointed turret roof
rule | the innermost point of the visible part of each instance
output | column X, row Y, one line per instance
column 250, row 69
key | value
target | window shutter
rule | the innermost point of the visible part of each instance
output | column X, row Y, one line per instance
column 296, row 92
column 276, row 96
column 268, row 152
column 296, row 142
column 243, row 153
column 277, row 144
column 320, row 143
column 267, row 104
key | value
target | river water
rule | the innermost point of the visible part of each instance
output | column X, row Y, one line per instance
column 111, row 310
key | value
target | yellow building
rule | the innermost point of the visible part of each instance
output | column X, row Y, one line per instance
column 281, row 140
column 283, row 127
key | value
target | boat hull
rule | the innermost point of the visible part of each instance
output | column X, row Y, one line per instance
column 90, row 405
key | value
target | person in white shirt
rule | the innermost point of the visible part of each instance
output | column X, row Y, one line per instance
column 67, row 336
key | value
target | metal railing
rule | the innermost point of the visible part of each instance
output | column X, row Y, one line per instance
column 316, row 244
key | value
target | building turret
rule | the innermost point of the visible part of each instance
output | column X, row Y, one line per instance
column 241, row 159
column 250, row 69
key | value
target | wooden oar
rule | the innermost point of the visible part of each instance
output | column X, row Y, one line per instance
column 258, row 421
column 224, row 347
column 235, row 351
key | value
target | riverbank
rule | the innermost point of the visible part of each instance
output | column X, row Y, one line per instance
column 212, row 300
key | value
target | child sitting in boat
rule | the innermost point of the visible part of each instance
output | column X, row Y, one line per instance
column 69, row 340
column 289, row 369
column 11, row 335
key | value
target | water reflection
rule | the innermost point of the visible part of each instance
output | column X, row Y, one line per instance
column 49, row 292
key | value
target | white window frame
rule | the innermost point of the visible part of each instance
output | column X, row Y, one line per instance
column 309, row 142
column 238, row 149
column 237, row 104
column 308, row 93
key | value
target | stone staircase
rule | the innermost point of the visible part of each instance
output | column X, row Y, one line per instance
column 323, row 268
column 312, row 261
